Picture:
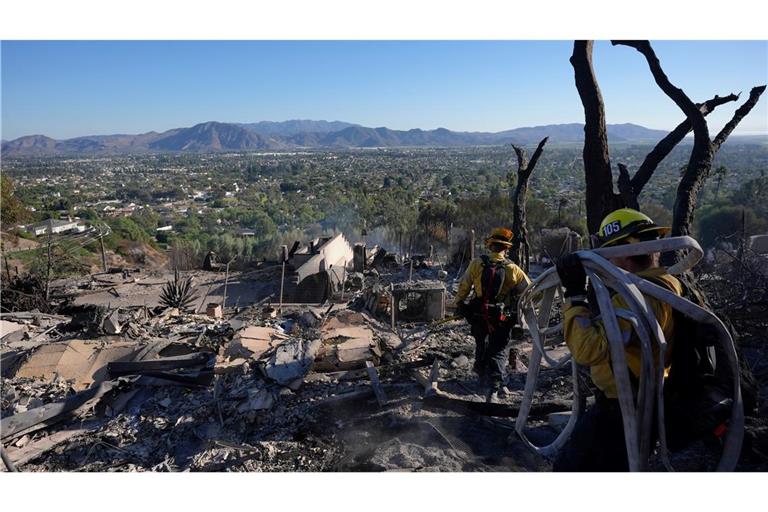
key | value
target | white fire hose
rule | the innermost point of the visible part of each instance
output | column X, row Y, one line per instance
column 637, row 416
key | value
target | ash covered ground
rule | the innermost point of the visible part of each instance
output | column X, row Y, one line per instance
column 127, row 385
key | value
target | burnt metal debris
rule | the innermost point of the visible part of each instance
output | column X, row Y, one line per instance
column 376, row 376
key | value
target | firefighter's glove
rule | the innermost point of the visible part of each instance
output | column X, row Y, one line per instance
column 572, row 275
column 462, row 309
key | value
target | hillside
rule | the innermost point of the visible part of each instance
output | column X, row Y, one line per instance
column 213, row 136
column 266, row 135
column 295, row 127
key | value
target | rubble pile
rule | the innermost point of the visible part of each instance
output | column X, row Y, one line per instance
column 347, row 385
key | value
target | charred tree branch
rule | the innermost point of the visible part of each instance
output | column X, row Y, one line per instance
column 521, row 247
column 676, row 94
column 741, row 112
column 522, row 160
column 536, row 155
column 700, row 161
column 626, row 190
column 668, row 143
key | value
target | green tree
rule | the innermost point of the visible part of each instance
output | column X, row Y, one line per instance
column 720, row 173
column 725, row 223
column 753, row 194
column 435, row 219
column 11, row 209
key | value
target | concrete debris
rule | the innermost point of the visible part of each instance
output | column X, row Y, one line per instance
column 214, row 310
column 80, row 361
column 347, row 343
column 111, row 324
column 224, row 366
column 253, row 341
column 116, row 382
column 7, row 327
column 291, row 361
column 257, row 400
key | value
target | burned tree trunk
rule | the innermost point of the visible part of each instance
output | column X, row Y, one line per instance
column 520, row 252
column 626, row 191
column 704, row 149
column 696, row 173
column 600, row 197
column 700, row 166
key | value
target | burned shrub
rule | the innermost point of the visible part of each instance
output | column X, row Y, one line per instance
column 24, row 293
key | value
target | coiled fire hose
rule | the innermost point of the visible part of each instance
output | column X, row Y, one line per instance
column 637, row 416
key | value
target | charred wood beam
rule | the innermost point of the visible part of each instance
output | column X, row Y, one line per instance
column 118, row 368
column 46, row 415
column 600, row 198
column 190, row 370
column 470, row 407
column 381, row 397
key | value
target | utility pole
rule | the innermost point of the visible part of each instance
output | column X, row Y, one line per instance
column 282, row 286
column 471, row 244
column 5, row 258
column 49, row 264
column 103, row 254
column 283, row 258
column 226, row 282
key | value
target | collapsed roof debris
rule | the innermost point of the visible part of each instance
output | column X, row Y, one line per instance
column 373, row 376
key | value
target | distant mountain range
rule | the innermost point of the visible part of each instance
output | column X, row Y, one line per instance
column 296, row 127
column 296, row 134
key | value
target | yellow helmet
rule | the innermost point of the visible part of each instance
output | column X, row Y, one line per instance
column 626, row 226
column 501, row 236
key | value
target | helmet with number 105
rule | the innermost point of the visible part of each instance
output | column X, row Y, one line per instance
column 626, row 226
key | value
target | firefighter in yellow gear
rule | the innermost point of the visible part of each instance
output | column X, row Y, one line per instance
column 497, row 282
column 597, row 442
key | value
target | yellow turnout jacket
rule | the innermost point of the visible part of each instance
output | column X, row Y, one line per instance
column 588, row 343
column 514, row 279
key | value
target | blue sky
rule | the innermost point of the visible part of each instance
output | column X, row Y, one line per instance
column 70, row 88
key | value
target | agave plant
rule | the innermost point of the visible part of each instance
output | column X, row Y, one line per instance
column 178, row 293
